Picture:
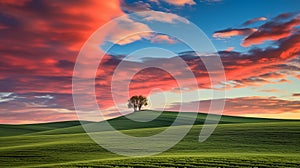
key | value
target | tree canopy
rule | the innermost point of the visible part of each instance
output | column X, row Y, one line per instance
column 137, row 102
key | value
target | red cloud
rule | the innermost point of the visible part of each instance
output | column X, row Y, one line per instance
column 40, row 44
column 42, row 38
column 245, row 106
column 258, row 67
column 276, row 29
column 272, row 31
column 252, row 68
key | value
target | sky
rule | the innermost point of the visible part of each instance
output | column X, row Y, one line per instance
column 258, row 43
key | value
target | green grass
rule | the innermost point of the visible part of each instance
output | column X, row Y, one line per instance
column 236, row 142
column 12, row 130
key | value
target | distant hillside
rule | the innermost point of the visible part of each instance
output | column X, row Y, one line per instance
column 165, row 119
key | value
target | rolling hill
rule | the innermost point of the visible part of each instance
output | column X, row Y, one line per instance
column 237, row 141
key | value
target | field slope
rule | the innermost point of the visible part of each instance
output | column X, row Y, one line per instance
column 236, row 142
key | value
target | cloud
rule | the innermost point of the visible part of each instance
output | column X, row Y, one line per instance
column 162, row 17
column 259, row 79
column 40, row 99
column 229, row 49
column 126, row 26
column 138, row 6
column 210, row 1
column 245, row 106
column 254, row 81
column 284, row 16
column 28, row 116
column 162, row 39
column 180, row 2
column 251, row 21
column 44, row 25
column 40, row 44
column 36, row 107
column 271, row 90
column 261, row 61
column 257, row 67
column 280, row 27
column 273, row 75
column 227, row 33
column 296, row 94
column 138, row 30
column 142, row 83
column 271, row 31
column 42, row 38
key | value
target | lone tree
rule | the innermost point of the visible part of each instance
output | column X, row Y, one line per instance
column 137, row 102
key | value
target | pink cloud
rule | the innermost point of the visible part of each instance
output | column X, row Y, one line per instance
column 251, row 21
column 229, row 49
column 180, row 2
column 162, row 39
column 247, row 106
column 227, row 33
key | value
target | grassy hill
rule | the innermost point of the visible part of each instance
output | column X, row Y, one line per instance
column 237, row 141
column 164, row 119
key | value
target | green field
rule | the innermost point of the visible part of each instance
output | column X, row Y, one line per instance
column 236, row 142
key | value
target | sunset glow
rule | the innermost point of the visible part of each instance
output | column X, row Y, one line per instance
column 259, row 47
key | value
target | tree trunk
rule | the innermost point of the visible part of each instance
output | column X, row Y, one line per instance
column 135, row 108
